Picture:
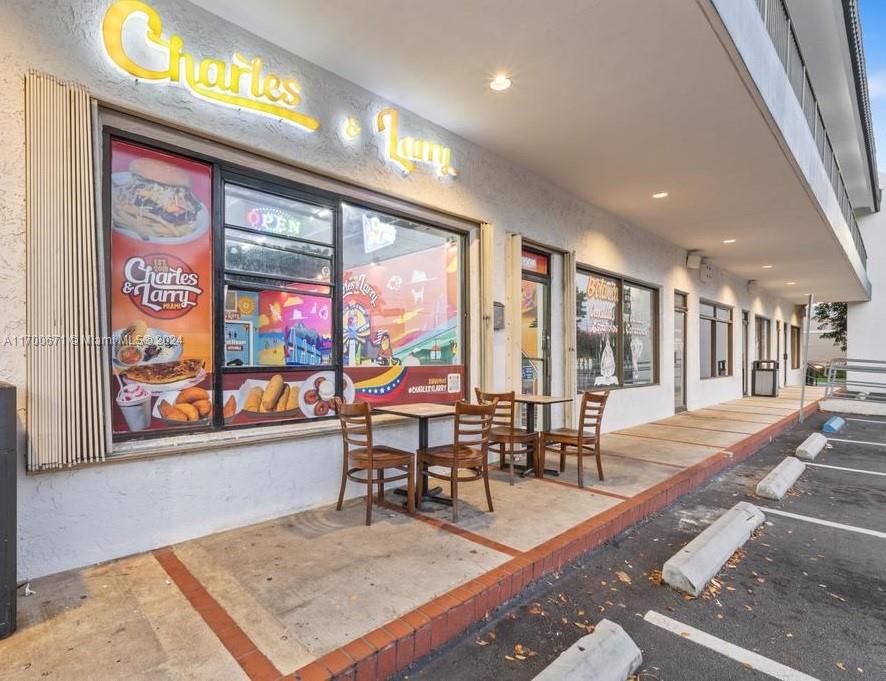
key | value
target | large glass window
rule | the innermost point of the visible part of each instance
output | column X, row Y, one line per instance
column 714, row 340
column 402, row 308
column 615, row 335
column 763, row 337
column 308, row 298
column 638, row 318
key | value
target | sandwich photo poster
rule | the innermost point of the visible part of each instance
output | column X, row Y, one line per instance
column 401, row 328
column 161, row 290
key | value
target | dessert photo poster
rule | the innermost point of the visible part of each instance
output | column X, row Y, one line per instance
column 161, row 289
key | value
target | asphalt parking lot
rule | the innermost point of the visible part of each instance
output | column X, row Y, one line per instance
column 805, row 595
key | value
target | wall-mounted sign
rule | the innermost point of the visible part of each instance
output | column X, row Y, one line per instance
column 239, row 82
column 407, row 151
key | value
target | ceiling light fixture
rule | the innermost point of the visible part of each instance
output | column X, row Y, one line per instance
column 660, row 195
column 767, row 267
column 728, row 241
column 791, row 283
column 500, row 82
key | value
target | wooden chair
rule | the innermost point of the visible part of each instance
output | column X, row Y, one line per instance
column 504, row 433
column 469, row 451
column 360, row 454
column 586, row 438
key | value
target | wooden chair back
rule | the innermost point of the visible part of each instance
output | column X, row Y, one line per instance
column 591, row 417
column 504, row 407
column 356, row 424
column 472, row 425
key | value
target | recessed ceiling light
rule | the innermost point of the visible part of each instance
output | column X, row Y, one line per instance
column 767, row 267
column 660, row 195
column 728, row 241
column 500, row 82
column 791, row 283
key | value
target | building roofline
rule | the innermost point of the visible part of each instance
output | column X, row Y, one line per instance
column 859, row 73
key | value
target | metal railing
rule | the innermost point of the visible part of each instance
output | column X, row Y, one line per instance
column 856, row 379
column 778, row 23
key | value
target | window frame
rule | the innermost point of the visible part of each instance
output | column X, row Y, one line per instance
column 260, row 180
column 795, row 346
column 714, row 320
column 620, row 281
column 767, row 323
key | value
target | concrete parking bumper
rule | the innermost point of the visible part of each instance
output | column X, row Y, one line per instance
column 692, row 567
column 607, row 654
column 780, row 479
column 811, row 446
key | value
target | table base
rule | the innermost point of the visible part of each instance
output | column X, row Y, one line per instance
column 435, row 494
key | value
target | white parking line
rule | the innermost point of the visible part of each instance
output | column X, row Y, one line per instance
column 730, row 650
column 826, row 523
column 857, row 442
column 866, row 421
column 841, row 468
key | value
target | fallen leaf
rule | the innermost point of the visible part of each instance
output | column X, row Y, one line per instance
column 840, row 666
column 624, row 577
column 481, row 642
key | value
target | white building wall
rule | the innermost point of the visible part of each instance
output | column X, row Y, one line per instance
column 68, row 519
column 866, row 322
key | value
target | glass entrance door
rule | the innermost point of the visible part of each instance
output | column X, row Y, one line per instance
column 679, row 352
column 535, row 326
column 778, row 347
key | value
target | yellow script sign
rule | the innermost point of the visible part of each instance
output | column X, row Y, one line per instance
column 405, row 151
column 239, row 82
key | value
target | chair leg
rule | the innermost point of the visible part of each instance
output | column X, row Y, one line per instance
column 539, row 455
column 512, row 463
column 369, row 496
column 381, row 486
column 501, row 455
column 453, row 492
column 344, row 481
column 562, row 458
column 486, row 484
column 419, row 485
column 581, row 465
column 599, row 461
column 410, row 487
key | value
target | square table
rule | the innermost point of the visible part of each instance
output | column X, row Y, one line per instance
column 532, row 402
column 424, row 412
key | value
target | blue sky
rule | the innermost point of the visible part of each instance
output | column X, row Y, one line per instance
column 873, row 27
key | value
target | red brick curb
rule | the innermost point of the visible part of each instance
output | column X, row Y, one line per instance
column 393, row 647
column 251, row 660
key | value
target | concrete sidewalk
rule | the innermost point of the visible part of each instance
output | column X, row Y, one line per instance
column 317, row 594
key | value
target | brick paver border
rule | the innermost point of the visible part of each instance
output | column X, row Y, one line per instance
column 394, row 646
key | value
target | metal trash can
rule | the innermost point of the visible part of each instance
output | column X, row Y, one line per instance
column 764, row 378
column 8, row 472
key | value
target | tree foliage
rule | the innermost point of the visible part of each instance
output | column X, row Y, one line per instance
column 831, row 319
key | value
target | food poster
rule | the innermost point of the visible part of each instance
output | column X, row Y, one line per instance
column 401, row 328
column 161, row 290
column 260, row 397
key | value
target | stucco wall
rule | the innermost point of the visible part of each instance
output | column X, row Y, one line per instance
column 77, row 517
column 866, row 322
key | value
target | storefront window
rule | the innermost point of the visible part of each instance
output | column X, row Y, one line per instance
column 715, row 340
column 638, row 310
column 267, row 332
column 402, row 301
column 762, row 337
column 615, row 335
